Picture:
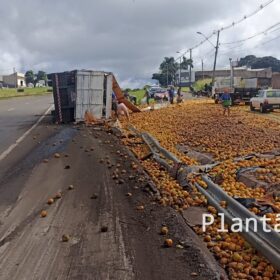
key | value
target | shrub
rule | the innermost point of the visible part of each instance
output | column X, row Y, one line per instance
column 20, row 90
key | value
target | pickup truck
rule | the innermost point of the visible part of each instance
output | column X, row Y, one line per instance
column 238, row 95
column 268, row 99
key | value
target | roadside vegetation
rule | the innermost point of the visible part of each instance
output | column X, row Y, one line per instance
column 13, row 92
column 138, row 93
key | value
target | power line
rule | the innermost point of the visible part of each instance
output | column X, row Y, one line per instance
column 233, row 24
column 253, row 36
column 270, row 40
column 249, row 49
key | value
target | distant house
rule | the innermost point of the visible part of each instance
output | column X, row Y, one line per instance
column 185, row 77
column 276, row 80
column 261, row 77
column 41, row 83
column 15, row 80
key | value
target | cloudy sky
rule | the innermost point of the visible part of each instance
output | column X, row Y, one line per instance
column 128, row 37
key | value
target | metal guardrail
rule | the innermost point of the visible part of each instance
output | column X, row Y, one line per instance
column 152, row 142
column 267, row 243
column 159, row 153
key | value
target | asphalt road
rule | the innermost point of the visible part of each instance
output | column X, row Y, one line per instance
column 18, row 114
column 108, row 236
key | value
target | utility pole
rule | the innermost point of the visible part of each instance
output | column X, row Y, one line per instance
column 179, row 67
column 231, row 73
column 202, row 68
column 215, row 60
column 190, row 74
column 167, row 74
column 180, row 72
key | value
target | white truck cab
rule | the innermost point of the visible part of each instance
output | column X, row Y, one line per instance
column 267, row 99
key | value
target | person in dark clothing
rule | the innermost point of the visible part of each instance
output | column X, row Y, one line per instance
column 148, row 96
column 206, row 87
column 126, row 94
column 171, row 95
column 114, row 103
column 179, row 95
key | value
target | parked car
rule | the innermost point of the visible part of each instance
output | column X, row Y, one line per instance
column 268, row 99
column 154, row 90
column 161, row 96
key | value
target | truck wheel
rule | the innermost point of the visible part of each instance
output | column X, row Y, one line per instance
column 252, row 108
column 262, row 109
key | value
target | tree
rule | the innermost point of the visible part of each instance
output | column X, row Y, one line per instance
column 260, row 62
column 161, row 78
column 41, row 76
column 168, row 69
column 30, row 77
column 186, row 63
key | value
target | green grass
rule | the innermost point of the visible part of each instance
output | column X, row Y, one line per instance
column 199, row 85
column 185, row 89
column 12, row 92
column 139, row 94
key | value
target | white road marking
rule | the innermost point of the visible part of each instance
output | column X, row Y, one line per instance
column 11, row 109
column 26, row 103
column 20, row 139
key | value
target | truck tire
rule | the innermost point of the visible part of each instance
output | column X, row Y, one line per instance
column 252, row 108
column 262, row 109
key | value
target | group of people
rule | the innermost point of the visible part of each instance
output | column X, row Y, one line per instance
column 171, row 95
column 120, row 108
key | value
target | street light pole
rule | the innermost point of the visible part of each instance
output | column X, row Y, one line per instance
column 180, row 68
column 200, row 33
column 216, row 52
column 215, row 60
column 190, row 74
column 167, row 74
column 180, row 72
column 231, row 73
column 202, row 68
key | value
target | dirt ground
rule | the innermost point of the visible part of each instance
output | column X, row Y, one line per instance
column 110, row 236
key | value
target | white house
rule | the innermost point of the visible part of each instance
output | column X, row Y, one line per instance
column 15, row 80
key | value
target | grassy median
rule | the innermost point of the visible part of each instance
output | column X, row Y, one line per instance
column 13, row 92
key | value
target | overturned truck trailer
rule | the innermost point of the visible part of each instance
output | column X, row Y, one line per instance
column 80, row 91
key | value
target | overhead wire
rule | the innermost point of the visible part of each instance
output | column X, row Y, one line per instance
column 249, row 49
column 233, row 24
column 264, row 32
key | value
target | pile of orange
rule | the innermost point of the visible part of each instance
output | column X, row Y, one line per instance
column 200, row 126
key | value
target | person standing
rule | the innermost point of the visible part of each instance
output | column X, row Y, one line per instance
column 148, row 96
column 114, row 103
column 179, row 95
column 171, row 94
column 226, row 102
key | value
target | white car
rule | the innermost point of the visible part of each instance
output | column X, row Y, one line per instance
column 267, row 99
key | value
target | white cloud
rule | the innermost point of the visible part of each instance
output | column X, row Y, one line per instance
column 127, row 37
